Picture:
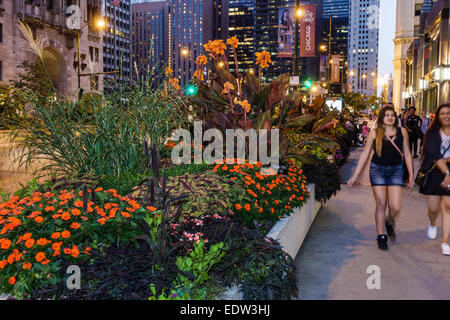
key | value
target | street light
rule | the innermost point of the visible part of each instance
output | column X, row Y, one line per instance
column 185, row 52
column 352, row 73
column 220, row 64
column 299, row 13
column 323, row 47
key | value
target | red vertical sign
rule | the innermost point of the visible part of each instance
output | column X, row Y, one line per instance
column 308, row 31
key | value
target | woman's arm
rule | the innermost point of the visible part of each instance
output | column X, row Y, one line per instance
column 363, row 159
column 442, row 165
column 408, row 158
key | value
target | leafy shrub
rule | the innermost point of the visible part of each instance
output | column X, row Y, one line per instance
column 40, row 231
column 205, row 193
column 267, row 197
column 326, row 178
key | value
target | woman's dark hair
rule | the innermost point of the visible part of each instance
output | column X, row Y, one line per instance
column 435, row 126
column 380, row 130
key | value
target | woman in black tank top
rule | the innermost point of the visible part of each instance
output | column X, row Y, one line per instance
column 390, row 146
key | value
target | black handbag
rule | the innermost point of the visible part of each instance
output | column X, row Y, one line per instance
column 423, row 177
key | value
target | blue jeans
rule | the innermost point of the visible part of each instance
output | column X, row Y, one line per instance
column 386, row 175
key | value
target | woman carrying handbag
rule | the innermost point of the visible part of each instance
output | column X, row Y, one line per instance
column 390, row 144
column 434, row 175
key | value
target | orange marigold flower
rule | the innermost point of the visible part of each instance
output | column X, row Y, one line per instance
column 26, row 266
column 125, row 214
column 65, row 234
column 75, row 225
column 49, row 208
column 40, row 256
column 67, row 251
column 5, row 244
column 76, row 212
column 75, row 251
column 238, row 206
column 151, row 209
column 65, row 216
column 42, row 242
column 38, row 219
column 55, row 235
column 78, row 204
column 247, row 207
column 46, row 261
column 57, row 246
column 29, row 243
column 27, row 236
column 3, row 264
column 98, row 189
column 57, row 253
column 101, row 221
column 12, row 280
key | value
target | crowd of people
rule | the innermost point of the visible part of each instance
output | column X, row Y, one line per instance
column 391, row 144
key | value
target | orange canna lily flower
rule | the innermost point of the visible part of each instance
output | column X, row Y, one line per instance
column 233, row 42
column 12, row 280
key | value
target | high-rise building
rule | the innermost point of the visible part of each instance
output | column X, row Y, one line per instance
column 117, row 42
column 339, row 12
column 242, row 19
column 58, row 24
column 363, row 46
column 149, row 40
column 191, row 24
column 336, row 8
column 266, row 28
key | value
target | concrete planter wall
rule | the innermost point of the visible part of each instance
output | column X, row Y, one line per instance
column 291, row 230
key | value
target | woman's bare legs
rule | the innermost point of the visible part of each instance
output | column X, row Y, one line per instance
column 434, row 207
column 445, row 207
column 380, row 194
column 395, row 195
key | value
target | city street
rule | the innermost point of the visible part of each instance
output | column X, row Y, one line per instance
column 341, row 244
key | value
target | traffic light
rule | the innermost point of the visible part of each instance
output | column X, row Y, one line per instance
column 191, row 90
column 373, row 107
column 308, row 84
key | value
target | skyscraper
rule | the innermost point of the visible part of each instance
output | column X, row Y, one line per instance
column 363, row 46
column 191, row 24
column 149, row 40
column 117, row 42
column 242, row 19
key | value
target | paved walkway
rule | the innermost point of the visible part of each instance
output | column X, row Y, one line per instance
column 341, row 244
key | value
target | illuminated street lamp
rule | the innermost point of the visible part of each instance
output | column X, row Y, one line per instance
column 299, row 13
column 364, row 76
column 323, row 47
column 220, row 64
column 352, row 73
column 184, row 52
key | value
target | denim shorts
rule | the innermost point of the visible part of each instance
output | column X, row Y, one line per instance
column 386, row 175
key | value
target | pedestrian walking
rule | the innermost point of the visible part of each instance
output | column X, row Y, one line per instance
column 435, row 159
column 413, row 124
column 425, row 124
column 390, row 144
column 364, row 132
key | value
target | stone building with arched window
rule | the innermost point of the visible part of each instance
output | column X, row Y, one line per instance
column 56, row 24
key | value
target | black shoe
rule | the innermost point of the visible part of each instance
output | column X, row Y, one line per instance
column 390, row 231
column 382, row 242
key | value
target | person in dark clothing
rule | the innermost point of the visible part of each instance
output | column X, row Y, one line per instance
column 413, row 124
column 390, row 145
column 435, row 159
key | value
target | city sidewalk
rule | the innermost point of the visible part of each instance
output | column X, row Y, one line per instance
column 341, row 244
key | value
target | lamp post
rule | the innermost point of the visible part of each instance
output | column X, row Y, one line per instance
column 298, row 14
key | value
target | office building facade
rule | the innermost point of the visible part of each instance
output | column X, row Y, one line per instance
column 363, row 46
column 191, row 24
column 117, row 43
column 149, row 41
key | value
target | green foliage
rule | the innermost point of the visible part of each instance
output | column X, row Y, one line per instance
column 205, row 193
column 200, row 260
column 107, row 141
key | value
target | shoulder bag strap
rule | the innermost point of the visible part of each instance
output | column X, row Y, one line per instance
column 395, row 146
